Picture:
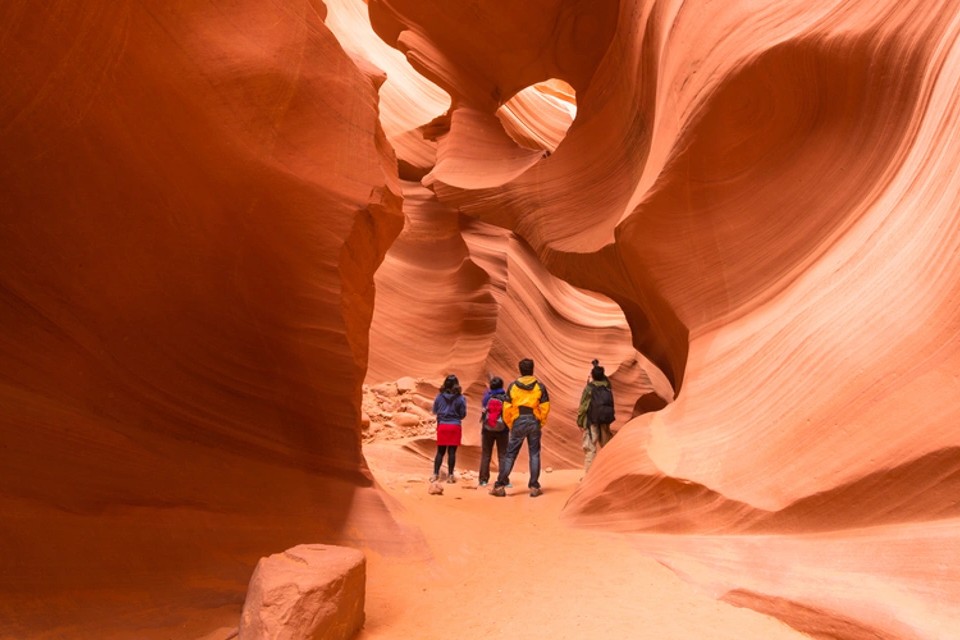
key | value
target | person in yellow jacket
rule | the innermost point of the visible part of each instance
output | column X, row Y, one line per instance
column 525, row 412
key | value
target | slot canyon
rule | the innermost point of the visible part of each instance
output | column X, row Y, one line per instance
column 242, row 243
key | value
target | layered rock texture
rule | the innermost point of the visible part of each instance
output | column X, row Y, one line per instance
column 217, row 222
column 195, row 198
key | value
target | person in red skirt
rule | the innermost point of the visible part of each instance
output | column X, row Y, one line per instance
column 450, row 408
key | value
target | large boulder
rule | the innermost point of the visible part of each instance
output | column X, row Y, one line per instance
column 311, row 591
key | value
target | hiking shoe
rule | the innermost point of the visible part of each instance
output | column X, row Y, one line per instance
column 536, row 491
column 483, row 483
column 451, row 479
column 433, row 478
column 500, row 492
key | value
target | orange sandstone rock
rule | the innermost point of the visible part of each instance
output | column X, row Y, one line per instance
column 758, row 199
column 309, row 591
column 194, row 202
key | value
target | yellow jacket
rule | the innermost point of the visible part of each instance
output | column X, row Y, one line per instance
column 526, row 391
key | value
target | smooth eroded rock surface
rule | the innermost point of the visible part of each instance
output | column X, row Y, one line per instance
column 219, row 221
column 194, row 199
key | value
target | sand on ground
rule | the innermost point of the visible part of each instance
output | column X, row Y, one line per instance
column 509, row 568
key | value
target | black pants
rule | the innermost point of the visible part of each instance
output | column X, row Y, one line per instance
column 487, row 440
column 451, row 452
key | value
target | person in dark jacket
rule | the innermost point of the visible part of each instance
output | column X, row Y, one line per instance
column 594, row 423
column 495, row 434
column 450, row 407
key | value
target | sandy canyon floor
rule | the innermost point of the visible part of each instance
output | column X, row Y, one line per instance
column 509, row 568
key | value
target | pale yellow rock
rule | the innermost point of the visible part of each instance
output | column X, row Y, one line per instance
column 406, row 419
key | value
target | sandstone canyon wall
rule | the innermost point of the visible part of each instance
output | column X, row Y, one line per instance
column 469, row 297
column 483, row 301
column 757, row 199
column 195, row 198
column 768, row 192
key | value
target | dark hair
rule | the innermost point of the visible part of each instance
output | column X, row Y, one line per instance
column 526, row 367
column 597, row 372
column 496, row 382
column 451, row 384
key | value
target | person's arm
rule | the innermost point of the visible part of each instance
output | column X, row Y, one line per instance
column 510, row 412
column 583, row 408
column 462, row 407
column 544, row 406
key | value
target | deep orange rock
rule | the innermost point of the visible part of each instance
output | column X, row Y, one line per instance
column 758, row 200
column 194, row 202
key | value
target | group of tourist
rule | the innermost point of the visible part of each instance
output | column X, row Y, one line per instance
column 513, row 415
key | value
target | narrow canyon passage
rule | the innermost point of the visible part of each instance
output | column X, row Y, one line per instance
column 509, row 568
column 222, row 223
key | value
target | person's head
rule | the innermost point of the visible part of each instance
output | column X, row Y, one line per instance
column 597, row 372
column 526, row 367
column 451, row 383
column 496, row 382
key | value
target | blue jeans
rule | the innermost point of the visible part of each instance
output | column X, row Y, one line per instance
column 524, row 428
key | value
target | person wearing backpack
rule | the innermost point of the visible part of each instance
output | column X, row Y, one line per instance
column 595, row 414
column 493, row 429
column 450, row 408
column 524, row 412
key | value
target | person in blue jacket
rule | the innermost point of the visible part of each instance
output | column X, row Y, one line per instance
column 493, row 430
column 450, row 407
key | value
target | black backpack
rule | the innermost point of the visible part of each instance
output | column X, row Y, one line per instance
column 601, row 405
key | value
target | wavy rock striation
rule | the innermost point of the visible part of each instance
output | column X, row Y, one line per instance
column 194, row 202
column 758, row 199
column 768, row 192
column 482, row 302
